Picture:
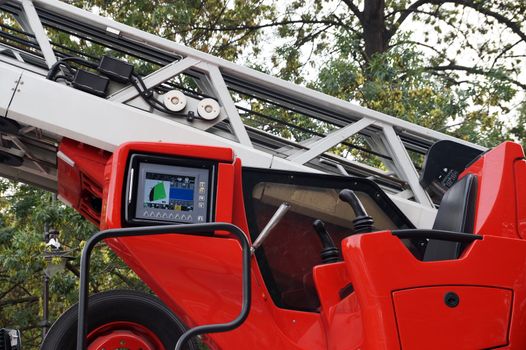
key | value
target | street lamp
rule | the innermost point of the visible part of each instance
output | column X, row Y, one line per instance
column 56, row 258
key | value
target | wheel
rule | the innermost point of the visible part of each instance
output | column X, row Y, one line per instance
column 119, row 319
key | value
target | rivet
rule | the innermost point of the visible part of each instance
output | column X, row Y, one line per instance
column 451, row 299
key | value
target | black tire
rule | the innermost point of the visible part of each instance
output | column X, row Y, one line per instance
column 118, row 305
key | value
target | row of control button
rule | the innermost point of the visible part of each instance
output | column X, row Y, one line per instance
column 171, row 216
column 201, row 202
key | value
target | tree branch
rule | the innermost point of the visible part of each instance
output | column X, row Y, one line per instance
column 440, row 53
column 220, row 14
column 311, row 36
column 260, row 26
column 355, row 10
column 4, row 294
column 343, row 25
column 405, row 13
column 477, row 6
column 123, row 278
column 216, row 49
column 19, row 301
column 503, row 52
column 472, row 70
column 72, row 268
column 485, row 11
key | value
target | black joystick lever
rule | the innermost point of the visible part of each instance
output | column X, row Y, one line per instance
column 363, row 223
column 329, row 253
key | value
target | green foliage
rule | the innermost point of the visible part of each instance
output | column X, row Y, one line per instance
column 519, row 130
column 396, row 84
column 191, row 22
column 24, row 214
column 453, row 66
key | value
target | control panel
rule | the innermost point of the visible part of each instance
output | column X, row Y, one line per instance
column 169, row 190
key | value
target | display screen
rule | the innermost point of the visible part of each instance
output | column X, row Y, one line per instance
column 164, row 191
column 169, row 192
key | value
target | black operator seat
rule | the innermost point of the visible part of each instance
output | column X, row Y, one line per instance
column 457, row 214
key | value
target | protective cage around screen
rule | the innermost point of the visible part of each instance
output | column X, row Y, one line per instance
column 169, row 190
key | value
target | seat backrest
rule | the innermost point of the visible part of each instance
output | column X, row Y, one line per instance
column 457, row 214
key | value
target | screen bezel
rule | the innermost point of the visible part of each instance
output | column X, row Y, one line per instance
column 131, row 186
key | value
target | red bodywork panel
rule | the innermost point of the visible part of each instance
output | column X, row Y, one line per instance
column 481, row 321
column 520, row 196
column 80, row 174
column 498, row 190
column 488, row 278
column 395, row 301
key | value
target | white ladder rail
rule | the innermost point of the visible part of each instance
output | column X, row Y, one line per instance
column 217, row 77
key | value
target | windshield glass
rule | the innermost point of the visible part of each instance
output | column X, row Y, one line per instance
column 293, row 248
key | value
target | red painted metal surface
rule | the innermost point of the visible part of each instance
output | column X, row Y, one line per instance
column 380, row 265
column 520, row 196
column 123, row 336
column 496, row 200
column 193, row 275
column 341, row 317
column 479, row 321
column 81, row 178
column 330, row 280
column 395, row 302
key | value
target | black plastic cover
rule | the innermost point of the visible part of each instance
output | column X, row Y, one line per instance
column 90, row 82
column 9, row 126
column 457, row 214
column 115, row 69
column 444, row 161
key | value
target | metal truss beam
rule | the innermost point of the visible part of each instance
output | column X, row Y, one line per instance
column 229, row 69
column 27, row 97
column 225, row 99
column 37, row 29
column 405, row 166
column 330, row 141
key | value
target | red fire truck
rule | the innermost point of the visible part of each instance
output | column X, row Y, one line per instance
column 250, row 240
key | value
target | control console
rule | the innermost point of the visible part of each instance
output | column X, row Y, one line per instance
column 162, row 189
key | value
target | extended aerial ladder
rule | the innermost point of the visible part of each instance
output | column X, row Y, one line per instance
column 47, row 111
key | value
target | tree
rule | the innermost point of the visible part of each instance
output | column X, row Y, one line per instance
column 519, row 130
column 24, row 213
column 188, row 22
column 452, row 65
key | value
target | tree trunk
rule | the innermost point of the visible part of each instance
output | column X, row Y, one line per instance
column 374, row 31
